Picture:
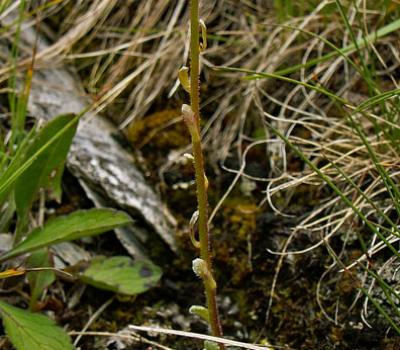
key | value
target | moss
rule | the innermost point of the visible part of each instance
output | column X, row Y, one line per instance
column 348, row 284
column 161, row 130
column 235, row 225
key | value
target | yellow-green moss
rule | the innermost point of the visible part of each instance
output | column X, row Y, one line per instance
column 238, row 220
column 163, row 129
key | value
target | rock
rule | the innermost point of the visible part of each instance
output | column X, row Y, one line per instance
column 105, row 169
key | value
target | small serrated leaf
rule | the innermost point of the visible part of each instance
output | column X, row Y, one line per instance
column 29, row 331
column 79, row 224
column 120, row 274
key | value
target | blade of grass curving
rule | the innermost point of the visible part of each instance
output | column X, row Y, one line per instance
column 252, row 75
column 381, row 311
column 365, row 71
column 22, row 100
column 390, row 320
column 380, row 97
column 330, row 183
column 387, row 180
column 260, row 75
column 380, row 212
column 338, row 50
column 367, row 74
column 12, row 82
column 387, row 289
column 391, row 27
column 377, row 99
column 331, row 45
column 391, row 187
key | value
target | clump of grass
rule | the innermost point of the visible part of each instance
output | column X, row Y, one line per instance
column 350, row 145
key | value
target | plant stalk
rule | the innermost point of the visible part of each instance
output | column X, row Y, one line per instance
column 201, row 185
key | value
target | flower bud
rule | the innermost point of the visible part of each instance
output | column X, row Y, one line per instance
column 190, row 120
column 199, row 267
column 183, row 77
column 203, row 44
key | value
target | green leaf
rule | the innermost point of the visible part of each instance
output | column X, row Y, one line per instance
column 120, row 274
column 9, row 171
column 210, row 345
column 201, row 312
column 15, row 170
column 29, row 331
column 45, row 171
column 79, row 224
column 39, row 280
column 55, row 184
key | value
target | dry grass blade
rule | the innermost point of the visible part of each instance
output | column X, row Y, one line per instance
column 123, row 335
column 201, row 336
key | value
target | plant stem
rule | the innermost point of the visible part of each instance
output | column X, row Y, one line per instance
column 202, row 201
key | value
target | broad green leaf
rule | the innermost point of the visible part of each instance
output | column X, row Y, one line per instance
column 67, row 228
column 16, row 169
column 29, row 331
column 45, row 171
column 39, row 280
column 56, row 184
column 9, row 171
column 120, row 274
column 7, row 214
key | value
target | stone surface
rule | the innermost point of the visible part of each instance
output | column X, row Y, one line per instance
column 104, row 168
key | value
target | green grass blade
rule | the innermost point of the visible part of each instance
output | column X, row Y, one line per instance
column 372, row 37
column 330, row 183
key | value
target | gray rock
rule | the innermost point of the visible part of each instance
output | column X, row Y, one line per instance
column 105, row 169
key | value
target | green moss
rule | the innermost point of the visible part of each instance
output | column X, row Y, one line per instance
column 162, row 130
column 237, row 222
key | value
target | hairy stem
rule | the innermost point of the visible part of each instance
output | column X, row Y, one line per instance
column 202, row 201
